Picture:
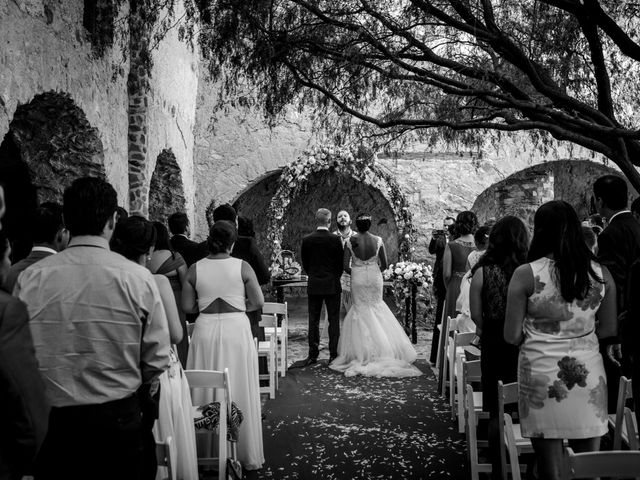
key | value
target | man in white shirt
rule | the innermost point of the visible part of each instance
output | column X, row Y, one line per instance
column 100, row 332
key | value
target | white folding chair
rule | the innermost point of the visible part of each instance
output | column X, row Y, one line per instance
column 268, row 349
column 616, row 421
column 455, row 351
column 632, row 429
column 508, row 395
column 281, row 333
column 471, row 425
column 449, row 325
column 163, row 454
column 612, row 464
column 214, row 380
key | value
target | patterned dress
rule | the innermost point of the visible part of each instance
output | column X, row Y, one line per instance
column 563, row 388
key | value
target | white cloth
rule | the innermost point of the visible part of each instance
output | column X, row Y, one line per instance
column 175, row 419
column 372, row 342
column 463, row 319
column 223, row 340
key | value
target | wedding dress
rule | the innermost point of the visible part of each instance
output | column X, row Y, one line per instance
column 372, row 342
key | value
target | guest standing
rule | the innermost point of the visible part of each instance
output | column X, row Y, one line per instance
column 436, row 247
column 134, row 239
column 507, row 250
column 164, row 261
column 555, row 305
column 100, row 332
column 223, row 289
column 24, row 413
column 49, row 237
column 454, row 264
column 191, row 251
column 618, row 249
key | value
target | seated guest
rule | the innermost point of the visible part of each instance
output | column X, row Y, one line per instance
column 191, row 251
column 49, row 237
column 555, row 305
column 100, row 332
column 24, row 413
column 164, row 261
column 222, row 289
column 507, row 250
column 134, row 239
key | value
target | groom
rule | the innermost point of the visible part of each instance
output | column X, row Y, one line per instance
column 321, row 255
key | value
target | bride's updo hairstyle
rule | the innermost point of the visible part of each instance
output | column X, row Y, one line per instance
column 222, row 236
column 134, row 236
column 363, row 222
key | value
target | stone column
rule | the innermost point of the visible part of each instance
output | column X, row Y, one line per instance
column 138, row 89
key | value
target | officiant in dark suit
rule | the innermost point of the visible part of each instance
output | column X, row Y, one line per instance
column 321, row 255
column 618, row 249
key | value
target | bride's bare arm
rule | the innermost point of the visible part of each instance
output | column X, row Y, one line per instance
column 382, row 255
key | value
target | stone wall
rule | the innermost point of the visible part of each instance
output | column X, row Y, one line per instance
column 235, row 147
column 523, row 192
column 45, row 47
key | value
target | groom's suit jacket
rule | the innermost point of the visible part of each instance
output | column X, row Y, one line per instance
column 321, row 255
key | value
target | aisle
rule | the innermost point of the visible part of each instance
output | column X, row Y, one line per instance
column 322, row 425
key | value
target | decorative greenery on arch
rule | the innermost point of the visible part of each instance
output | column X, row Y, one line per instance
column 344, row 161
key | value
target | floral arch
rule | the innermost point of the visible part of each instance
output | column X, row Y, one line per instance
column 344, row 161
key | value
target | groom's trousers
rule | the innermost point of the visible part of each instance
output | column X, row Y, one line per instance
column 332, row 302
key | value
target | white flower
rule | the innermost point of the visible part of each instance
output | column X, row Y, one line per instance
column 408, row 276
column 398, row 271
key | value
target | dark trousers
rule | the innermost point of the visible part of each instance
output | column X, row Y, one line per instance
column 332, row 302
column 258, row 332
column 93, row 441
column 436, row 333
column 613, row 373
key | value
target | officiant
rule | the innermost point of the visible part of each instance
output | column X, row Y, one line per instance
column 344, row 231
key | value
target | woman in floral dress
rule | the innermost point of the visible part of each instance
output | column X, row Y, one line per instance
column 557, row 307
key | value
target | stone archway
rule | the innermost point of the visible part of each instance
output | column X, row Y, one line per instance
column 521, row 193
column 49, row 144
column 166, row 191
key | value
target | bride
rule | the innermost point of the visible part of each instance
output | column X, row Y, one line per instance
column 372, row 342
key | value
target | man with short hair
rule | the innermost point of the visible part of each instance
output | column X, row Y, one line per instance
column 191, row 251
column 618, row 249
column 437, row 245
column 321, row 255
column 100, row 333
column 49, row 237
column 24, row 413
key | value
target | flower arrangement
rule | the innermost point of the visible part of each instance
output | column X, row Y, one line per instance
column 346, row 161
column 284, row 267
column 404, row 275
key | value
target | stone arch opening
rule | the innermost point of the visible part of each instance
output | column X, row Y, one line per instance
column 328, row 189
column 49, row 144
column 521, row 193
column 166, row 191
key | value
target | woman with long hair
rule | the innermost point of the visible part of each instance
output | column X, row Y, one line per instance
column 165, row 261
column 506, row 251
column 557, row 306
column 223, row 289
column 134, row 238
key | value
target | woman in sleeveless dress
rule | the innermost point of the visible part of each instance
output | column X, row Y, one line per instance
column 164, row 261
column 507, row 249
column 558, row 306
column 372, row 342
column 222, row 289
column 134, row 239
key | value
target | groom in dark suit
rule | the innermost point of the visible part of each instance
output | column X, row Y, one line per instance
column 321, row 255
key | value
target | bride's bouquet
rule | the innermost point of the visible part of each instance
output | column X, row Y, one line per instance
column 405, row 275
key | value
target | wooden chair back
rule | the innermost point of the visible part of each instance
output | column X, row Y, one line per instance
column 612, row 464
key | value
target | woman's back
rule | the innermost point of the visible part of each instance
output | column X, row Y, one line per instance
column 364, row 247
column 220, row 279
column 549, row 314
column 459, row 253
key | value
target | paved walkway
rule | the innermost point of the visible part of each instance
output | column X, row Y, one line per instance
column 325, row 426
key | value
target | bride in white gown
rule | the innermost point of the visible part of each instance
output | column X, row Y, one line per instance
column 372, row 342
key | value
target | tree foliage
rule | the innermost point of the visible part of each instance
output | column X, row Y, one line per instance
column 439, row 68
